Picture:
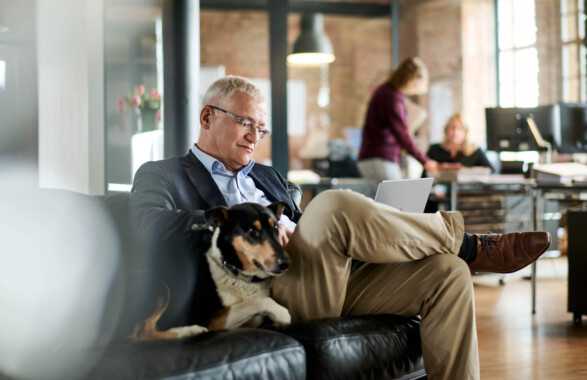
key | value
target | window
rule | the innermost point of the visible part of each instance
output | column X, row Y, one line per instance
column 517, row 53
column 574, row 83
column 518, row 62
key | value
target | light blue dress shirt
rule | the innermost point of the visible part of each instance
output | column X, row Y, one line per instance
column 236, row 188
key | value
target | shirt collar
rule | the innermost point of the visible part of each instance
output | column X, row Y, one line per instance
column 213, row 165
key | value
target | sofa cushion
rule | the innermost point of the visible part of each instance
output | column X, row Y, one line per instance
column 232, row 354
column 366, row 347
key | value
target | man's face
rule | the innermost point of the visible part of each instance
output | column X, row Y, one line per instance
column 224, row 138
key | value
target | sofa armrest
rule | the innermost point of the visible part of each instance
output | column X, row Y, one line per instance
column 295, row 191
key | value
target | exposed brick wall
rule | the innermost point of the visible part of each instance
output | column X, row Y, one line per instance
column 479, row 81
column 454, row 37
column 240, row 42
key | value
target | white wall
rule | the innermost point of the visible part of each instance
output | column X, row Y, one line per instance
column 71, row 94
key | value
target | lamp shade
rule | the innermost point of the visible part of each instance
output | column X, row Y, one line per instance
column 312, row 47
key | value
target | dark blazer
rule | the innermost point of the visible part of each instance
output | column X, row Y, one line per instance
column 167, row 202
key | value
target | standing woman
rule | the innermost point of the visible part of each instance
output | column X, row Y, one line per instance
column 386, row 132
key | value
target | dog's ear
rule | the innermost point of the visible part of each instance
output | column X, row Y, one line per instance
column 217, row 215
column 279, row 207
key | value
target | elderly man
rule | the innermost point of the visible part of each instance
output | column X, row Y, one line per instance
column 351, row 255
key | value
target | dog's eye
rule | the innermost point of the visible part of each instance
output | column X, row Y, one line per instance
column 254, row 233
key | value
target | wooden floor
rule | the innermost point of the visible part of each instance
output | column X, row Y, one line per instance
column 513, row 343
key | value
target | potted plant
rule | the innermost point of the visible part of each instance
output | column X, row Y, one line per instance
column 147, row 106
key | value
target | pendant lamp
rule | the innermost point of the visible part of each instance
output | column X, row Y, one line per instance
column 313, row 47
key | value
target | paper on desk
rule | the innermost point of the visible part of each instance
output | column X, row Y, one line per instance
column 302, row 177
column 562, row 172
column 463, row 174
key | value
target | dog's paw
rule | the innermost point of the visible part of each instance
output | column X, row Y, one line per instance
column 187, row 331
column 279, row 314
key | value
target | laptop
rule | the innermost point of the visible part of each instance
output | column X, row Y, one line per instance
column 409, row 195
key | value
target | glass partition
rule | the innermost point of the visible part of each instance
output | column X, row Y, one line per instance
column 133, row 89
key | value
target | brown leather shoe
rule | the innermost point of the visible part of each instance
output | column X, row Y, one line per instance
column 506, row 253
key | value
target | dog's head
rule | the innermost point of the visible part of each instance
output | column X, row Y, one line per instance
column 248, row 238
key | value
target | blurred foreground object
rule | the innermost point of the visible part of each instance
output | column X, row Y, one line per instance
column 59, row 257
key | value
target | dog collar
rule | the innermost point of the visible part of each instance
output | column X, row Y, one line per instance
column 202, row 227
column 237, row 272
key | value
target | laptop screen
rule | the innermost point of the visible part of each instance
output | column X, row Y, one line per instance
column 409, row 195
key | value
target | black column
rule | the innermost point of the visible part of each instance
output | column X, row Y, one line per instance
column 394, row 6
column 278, row 54
column 181, row 68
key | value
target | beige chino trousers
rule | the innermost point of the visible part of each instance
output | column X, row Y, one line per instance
column 412, row 269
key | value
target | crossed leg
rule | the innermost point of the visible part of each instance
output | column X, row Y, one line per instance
column 406, row 252
column 440, row 290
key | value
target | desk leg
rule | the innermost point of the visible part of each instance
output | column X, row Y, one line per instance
column 533, row 278
column 535, row 194
column 453, row 196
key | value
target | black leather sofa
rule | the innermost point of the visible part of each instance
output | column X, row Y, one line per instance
column 369, row 347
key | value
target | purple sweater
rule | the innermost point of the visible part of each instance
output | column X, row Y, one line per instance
column 386, row 132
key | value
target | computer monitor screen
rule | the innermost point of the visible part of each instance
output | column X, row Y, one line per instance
column 573, row 121
column 507, row 128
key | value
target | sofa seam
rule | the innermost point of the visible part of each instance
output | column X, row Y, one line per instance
column 281, row 351
column 350, row 335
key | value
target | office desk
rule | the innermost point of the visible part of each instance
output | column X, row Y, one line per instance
column 538, row 193
column 495, row 184
column 499, row 204
column 576, row 194
column 359, row 185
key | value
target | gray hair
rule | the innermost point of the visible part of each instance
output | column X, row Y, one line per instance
column 228, row 86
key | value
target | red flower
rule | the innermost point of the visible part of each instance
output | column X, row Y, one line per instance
column 141, row 100
column 135, row 101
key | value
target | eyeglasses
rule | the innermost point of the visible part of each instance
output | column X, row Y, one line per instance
column 247, row 125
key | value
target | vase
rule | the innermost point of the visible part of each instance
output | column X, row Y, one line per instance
column 147, row 120
column 145, row 146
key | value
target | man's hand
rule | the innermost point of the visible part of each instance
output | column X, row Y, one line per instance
column 283, row 234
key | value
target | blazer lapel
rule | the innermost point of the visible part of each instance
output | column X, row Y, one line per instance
column 267, row 185
column 203, row 181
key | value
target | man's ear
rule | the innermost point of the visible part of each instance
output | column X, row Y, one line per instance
column 279, row 207
column 205, row 117
column 217, row 215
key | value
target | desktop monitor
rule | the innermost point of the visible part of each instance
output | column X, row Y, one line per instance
column 508, row 130
column 573, row 125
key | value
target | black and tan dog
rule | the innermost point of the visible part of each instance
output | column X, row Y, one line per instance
column 243, row 254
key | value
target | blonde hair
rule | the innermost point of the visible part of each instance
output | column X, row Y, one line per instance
column 468, row 147
column 225, row 88
column 410, row 69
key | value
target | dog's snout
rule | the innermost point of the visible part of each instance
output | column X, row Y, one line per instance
column 283, row 263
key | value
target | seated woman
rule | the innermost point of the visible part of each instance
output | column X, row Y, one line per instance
column 456, row 150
